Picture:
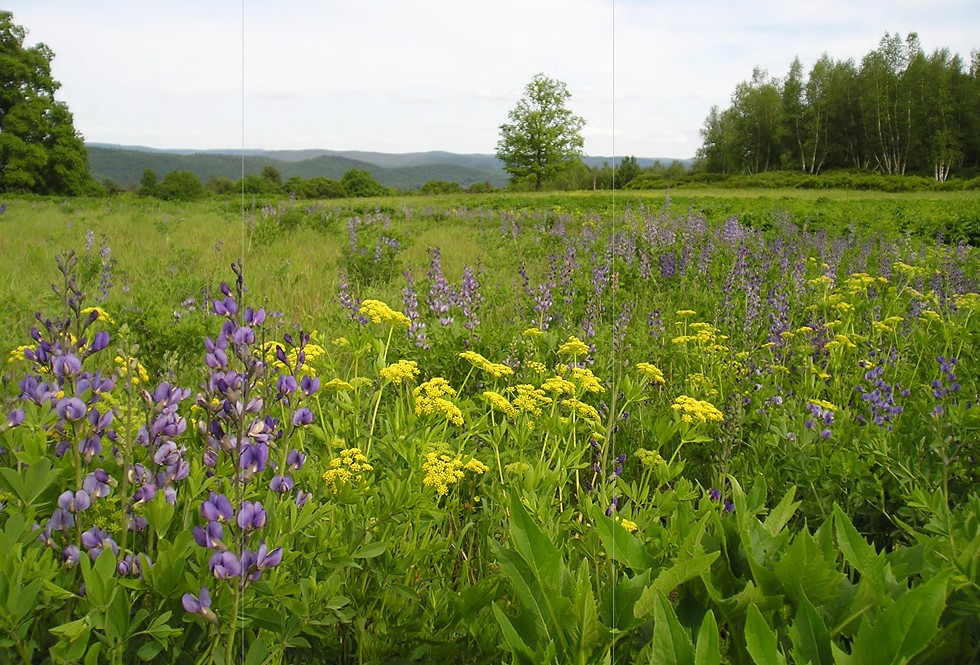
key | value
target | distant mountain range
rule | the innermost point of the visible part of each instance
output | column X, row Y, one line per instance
column 124, row 164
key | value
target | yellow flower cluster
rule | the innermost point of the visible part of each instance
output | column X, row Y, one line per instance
column 585, row 410
column 529, row 399
column 649, row 458
column 102, row 316
column 378, row 312
column 626, row 524
column 823, row 404
column 559, row 386
column 705, row 336
column 533, row 332
column 496, row 370
column 131, row 368
column 695, row 410
column 500, row 403
column 888, row 325
column 18, row 354
column 536, row 367
column 587, row 380
column 348, row 468
column 650, row 371
column 700, row 382
column 574, row 347
column 840, row 341
column 310, row 351
column 338, row 384
column 685, row 312
column 442, row 470
column 430, row 397
column 403, row 370
column 859, row 282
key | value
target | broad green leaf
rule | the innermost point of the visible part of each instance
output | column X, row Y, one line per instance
column 804, row 569
column 619, row 544
column 533, row 545
column 671, row 641
column 760, row 640
column 904, row 629
column 809, row 635
column 585, row 631
column 257, row 651
column 782, row 513
column 512, row 638
column 857, row 552
column 672, row 578
column 370, row 551
column 708, row 650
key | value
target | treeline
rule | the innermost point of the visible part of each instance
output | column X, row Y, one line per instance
column 899, row 111
column 187, row 186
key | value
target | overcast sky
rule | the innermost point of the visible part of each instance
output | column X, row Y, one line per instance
column 415, row 75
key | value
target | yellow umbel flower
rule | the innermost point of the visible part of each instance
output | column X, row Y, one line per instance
column 430, row 397
column 649, row 458
column 338, row 384
column 379, row 312
column 559, row 386
column 587, row 380
column 131, row 368
column 574, row 347
column 18, row 354
column 102, row 316
column 695, row 410
column 585, row 410
column 626, row 524
column 685, row 312
column 650, row 371
column 346, row 469
column 496, row 370
column 529, row 399
column 500, row 403
column 443, row 470
column 403, row 370
column 536, row 367
column 533, row 331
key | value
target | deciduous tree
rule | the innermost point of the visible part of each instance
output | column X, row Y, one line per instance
column 543, row 135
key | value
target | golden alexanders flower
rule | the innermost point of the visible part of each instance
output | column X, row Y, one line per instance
column 574, row 347
column 431, row 398
column 695, row 410
column 650, row 371
column 442, row 470
column 346, row 469
column 496, row 370
column 559, row 386
column 587, row 380
column 529, row 399
column 403, row 370
column 626, row 524
column 500, row 403
column 585, row 410
column 101, row 314
column 378, row 312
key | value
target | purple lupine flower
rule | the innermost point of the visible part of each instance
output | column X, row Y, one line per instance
column 217, row 508
column 729, row 506
column 715, row 494
column 286, row 385
column 416, row 328
column 210, row 536
column 95, row 540
column 96, row 484
column 252, row 516
column 74, row 502
column 224, row 565
column 71, row 409
column 71, row 555
column 302, row 497
column 303, row 416
column 470, row 298
column 295, row 460
column 15, row 417
column 281, row 484
column 255, row 457
column 199, row 604
column 308, row 385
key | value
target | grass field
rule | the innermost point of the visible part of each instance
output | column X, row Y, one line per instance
column 715, row 427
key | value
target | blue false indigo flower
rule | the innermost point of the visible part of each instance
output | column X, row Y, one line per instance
column 252, row 516
column 224, row 565
column 303, row 416
column 71, row 555
column 217, row 508
column 287, row 384
column 281, row 484
column 295, row 460
column 96, row 484
column 302, row 497
column 15, row 417
column 729, row 506
column 99, row 342
column 74, row 502
column 71, row 409
column 66, row 366
column 254, row 458
column 715, row 494
column 309, row 386
column 199, row 604
column 95, row 540
column 210, row 536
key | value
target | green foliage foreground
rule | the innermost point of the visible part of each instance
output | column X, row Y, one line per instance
column 524, row 434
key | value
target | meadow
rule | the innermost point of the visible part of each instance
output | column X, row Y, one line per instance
column 706, row 427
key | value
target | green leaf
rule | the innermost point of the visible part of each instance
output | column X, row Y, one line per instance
column 782, row 513
column 531, row 543
column 708, row 649
column 257, row 651
column 809, row 635
column 857, row 552
column 671, row 642
column 619, row 544
column 149, row 651
column 512, row 639
column 370, row 551
column 760, row 640
column 670, row 579
column 585, row 631
column 905, row 628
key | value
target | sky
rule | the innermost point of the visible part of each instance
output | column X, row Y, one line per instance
column 417, row 75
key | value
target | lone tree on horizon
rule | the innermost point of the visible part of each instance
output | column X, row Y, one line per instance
column 543, row 136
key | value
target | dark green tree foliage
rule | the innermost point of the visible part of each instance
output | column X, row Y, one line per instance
column 40, row 151
column 543, row 136
column 899, row 111
column 358, row 183
column 180, row 186
column 627, row 170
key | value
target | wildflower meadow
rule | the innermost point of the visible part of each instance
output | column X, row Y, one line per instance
column 485, row 430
